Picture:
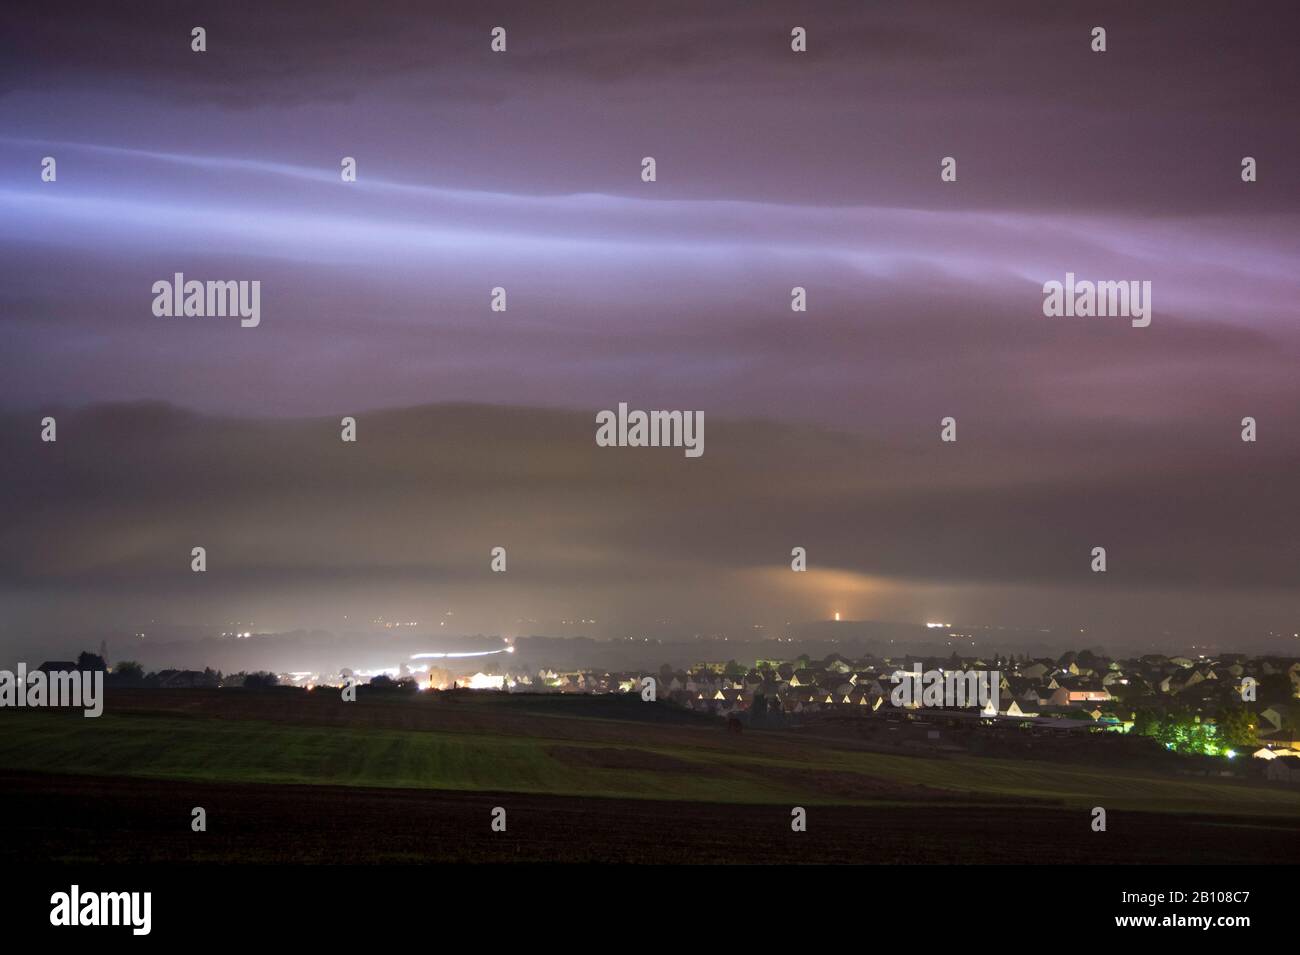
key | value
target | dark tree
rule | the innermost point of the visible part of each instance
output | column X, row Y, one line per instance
column 1146, row 723
column 1239, row 727
column 128, row 671
column 1274, row 688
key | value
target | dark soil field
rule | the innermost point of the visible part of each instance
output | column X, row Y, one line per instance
column 76, row 819
column 296, row 777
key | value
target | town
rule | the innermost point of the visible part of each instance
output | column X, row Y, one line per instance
column 1201, row 714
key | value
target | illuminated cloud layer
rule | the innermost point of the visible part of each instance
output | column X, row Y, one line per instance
column 521, row 171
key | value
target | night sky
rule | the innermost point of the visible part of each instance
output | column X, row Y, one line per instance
column 775, row 169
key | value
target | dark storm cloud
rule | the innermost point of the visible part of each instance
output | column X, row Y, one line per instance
column 283, row 507
column 1157, row 123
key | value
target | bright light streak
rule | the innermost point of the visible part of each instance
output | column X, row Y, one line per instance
column 457, row 656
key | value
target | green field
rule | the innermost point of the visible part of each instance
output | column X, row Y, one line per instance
column 570, row 755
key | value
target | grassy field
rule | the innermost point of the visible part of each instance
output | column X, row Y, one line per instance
column 522, row 747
